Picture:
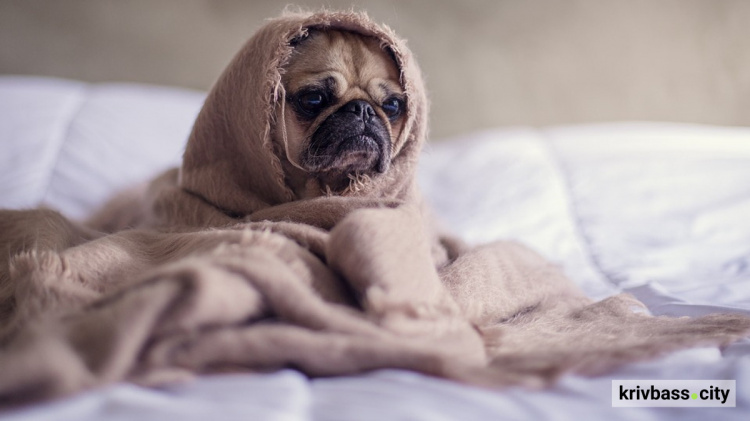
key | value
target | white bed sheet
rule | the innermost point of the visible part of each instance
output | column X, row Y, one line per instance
column 655, row 209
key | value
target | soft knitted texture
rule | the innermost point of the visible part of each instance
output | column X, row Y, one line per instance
column 217, row 266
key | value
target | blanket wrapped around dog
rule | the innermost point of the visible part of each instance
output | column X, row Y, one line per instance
column 218, row 266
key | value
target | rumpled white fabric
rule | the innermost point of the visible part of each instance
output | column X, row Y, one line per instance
column 655, row 209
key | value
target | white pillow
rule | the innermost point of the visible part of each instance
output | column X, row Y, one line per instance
column 71, row 145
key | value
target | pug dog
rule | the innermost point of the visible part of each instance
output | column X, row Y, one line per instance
column 344, row 109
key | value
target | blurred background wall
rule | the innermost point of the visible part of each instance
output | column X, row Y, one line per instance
column 487, row 63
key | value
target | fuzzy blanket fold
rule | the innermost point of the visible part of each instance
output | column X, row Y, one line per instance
column 217, row 266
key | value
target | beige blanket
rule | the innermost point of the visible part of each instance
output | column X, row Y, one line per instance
column 217, row 266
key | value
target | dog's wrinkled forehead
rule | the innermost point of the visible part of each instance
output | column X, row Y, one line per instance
column 350, row 64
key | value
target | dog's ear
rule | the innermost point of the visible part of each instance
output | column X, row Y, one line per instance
column 298, row 39
column 304, row 36
column 388, row 50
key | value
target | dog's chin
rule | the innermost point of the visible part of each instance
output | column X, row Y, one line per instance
column 335, row 164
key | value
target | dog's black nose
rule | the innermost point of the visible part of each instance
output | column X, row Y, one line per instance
column 361, row 108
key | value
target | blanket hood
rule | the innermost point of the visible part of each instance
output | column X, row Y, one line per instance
column 231, row 160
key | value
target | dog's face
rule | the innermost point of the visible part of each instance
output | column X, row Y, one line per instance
column 347, row 107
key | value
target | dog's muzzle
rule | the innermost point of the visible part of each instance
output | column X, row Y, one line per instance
column 354, row 139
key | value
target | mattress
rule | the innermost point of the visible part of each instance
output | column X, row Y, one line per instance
column 659, row 210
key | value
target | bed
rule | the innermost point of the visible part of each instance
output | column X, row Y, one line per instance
column 659, row 210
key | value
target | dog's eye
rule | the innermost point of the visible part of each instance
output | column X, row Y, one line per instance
column 311, row 102
column 392, row 107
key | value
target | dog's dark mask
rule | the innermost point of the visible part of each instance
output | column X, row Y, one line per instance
column 353, row 139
